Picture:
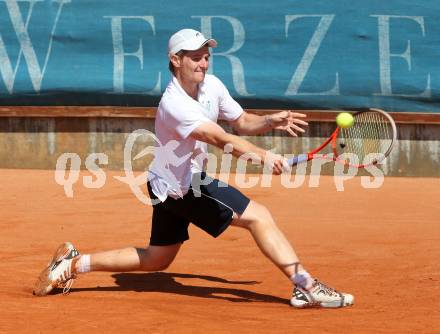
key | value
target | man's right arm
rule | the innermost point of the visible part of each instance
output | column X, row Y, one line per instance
column 212, row 133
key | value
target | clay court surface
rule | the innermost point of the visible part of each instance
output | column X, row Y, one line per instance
column 382, row 245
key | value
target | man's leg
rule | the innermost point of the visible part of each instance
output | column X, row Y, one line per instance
column 67, row 262
column 153, row 258
column 308, row 292
column 271, row 241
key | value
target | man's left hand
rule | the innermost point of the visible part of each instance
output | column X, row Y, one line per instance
column 288, row 121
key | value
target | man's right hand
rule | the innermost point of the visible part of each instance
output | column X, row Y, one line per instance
column 276, row 163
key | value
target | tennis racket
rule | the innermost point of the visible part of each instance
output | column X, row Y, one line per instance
column 371, row 139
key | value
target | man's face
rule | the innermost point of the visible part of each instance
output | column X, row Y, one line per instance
column 194, row 64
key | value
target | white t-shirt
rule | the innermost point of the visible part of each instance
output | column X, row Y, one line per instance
column 178, row 156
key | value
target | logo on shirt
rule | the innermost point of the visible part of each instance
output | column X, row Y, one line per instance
column 206, row 104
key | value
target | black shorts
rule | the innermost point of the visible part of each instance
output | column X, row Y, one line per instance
column 211, row 209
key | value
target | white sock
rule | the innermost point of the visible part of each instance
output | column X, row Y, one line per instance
column 83, row 264
column 303, row 279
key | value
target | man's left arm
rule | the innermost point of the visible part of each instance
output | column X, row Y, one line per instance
column 251, row 124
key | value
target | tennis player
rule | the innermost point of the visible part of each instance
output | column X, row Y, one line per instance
column 188, row 113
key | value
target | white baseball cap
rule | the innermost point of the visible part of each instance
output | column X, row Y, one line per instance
column 188, row 39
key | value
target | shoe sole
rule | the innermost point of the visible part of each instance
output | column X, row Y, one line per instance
column 43, row 286
column 322, row 305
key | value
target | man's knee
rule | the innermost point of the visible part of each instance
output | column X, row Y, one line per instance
column 164, row 265
column 255, row 215
column 158, row 258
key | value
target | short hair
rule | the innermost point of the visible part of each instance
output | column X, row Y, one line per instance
column 170, row 64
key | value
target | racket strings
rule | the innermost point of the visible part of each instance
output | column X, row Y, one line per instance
column 371, row 134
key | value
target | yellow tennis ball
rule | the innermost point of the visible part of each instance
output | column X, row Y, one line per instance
column 344, row 120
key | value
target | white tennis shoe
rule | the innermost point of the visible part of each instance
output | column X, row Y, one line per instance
column 59, row 272
column 320, row 295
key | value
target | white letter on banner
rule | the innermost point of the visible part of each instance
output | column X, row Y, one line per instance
column 309, row 54
column 26, row 48
column 119, row 54
column 385, row 54
column 239, row 38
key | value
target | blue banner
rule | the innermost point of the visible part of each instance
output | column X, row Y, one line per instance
column 283, row 54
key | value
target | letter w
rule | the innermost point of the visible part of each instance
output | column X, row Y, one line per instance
column 26, row 48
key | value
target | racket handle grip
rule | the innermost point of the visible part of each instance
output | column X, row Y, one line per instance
column 298, row 159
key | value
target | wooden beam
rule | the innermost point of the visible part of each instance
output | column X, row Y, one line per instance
column 150, row 112
column 77, row 111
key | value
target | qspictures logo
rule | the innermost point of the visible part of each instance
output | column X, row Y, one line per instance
column 165, row 161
